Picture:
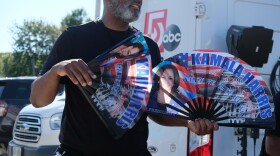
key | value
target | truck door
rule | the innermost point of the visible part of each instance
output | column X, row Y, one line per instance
column 170, row 23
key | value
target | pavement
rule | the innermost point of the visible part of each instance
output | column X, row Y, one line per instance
column 2, row 150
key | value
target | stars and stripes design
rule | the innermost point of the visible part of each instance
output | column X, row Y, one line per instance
column 232, row 90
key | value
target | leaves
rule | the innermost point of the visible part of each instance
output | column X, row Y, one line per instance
column 76, row 17
column 34, row 37
column 33, row 41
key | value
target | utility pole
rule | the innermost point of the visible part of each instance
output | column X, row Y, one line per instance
column 97, row 8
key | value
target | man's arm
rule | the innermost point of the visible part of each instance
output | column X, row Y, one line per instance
column 44, row 88
column 272, row 143
column 199, row 126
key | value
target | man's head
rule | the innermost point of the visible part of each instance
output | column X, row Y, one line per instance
column 125, row 10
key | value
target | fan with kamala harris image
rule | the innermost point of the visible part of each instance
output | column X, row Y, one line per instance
column 120, row 92
column 213, row 85
column 197, row 84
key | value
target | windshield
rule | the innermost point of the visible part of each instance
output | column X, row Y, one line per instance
column 15, row 89
column 2, row 86
column 1, row 90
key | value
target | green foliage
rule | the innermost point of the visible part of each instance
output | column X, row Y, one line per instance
column 5, row 62
column 33, row 41
column 34, row 36
column 76, row 17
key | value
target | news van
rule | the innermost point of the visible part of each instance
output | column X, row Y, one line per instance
column 181, row 26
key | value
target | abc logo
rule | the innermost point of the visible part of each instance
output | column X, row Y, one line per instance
column 171, row 37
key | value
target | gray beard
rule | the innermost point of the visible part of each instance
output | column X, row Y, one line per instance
column 123, row 12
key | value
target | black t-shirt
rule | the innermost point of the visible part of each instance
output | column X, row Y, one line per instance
column 81, row 127
column 276, row 132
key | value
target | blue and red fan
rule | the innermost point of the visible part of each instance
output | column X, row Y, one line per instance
column 205, row 84
column 120, row 93
column 212, row 85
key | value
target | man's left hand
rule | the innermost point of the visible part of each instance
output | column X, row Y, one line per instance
column 202, row 126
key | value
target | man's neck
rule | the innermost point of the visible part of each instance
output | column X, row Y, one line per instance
column 114, row 24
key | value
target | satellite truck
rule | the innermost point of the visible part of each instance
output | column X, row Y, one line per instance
column 225, row 25
column 182, row 26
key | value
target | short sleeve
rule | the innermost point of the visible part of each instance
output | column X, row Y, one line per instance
column 61, row 51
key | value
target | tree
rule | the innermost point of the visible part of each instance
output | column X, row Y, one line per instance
column 32, row 43
column 5, row 61
column 76, row 17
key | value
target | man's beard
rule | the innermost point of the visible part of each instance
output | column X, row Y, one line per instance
column 123, row 11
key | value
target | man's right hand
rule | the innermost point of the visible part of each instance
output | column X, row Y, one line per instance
column 77, row 71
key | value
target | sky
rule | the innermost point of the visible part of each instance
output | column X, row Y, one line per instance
column 52, row 11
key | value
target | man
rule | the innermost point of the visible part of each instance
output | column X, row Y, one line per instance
column 82, row 132
column 271, row 140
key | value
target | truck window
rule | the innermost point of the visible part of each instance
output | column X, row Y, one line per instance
column 2, row 87
column 16, row 89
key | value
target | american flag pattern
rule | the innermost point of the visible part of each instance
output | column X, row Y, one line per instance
column 219, row 86
column 120, row 93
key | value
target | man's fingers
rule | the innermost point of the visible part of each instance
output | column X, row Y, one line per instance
column 192, row 126
column 216, row 126
column 92, row 75
column 71, row 76
column 77, row 71
column 73, row 67
column 198, row 129
column 203, row 127
column 85, row 72
column 209, row 126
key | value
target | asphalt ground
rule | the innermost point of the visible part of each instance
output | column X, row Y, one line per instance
column 2, row 150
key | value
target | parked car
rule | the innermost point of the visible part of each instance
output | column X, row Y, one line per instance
column 36, row 130
column 14, row 95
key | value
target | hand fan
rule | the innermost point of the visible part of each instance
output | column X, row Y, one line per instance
column 213, row 85
column 120, row 93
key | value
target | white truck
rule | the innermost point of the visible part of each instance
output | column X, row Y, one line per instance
column 36, row 130
column 177, row 26
column 186, row 25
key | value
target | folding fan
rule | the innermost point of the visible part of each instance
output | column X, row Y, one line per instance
column 213, row 85
column 121, row 90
